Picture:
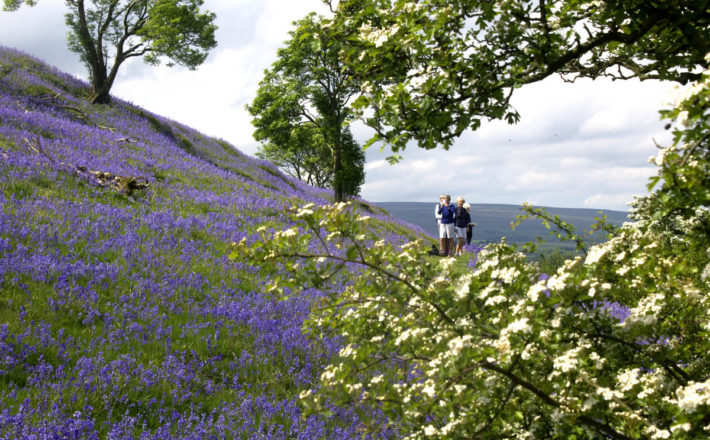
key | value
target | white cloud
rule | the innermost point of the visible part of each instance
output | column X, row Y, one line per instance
column 606, row 122
column 420, row 167
column 276, row 18
column 373, row 165
column 530, row 180
column 609, row 201
column 41, row 32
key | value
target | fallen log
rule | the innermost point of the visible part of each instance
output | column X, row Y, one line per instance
column 123, row 184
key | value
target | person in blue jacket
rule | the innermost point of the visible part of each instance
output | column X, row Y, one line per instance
column 446, row 227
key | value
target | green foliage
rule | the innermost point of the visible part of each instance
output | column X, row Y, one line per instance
column 685, row 169
column 122, row 29
column 300, row 112
column 550, row 260
column 177, row 29
column 13, row 5
column 615, row 345
column 352, row 175
column 431, row 70
column 302, row 154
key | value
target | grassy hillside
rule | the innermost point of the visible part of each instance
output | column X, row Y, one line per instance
column 493, row 221
column 120, row 314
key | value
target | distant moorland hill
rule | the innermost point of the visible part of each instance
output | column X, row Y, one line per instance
column 493, row 221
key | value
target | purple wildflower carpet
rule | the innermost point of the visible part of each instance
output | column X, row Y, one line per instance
column 120, row 314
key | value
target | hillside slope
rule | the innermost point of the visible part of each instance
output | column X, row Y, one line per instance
column 120, row 313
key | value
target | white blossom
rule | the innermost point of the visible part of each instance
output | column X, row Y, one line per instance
column 535, row 290
column 567, row 361
column 507, row 275
column 304, row 212
column 462, row 286
column 681, row 427
column 598, row 360
column 646, row 312
column 430, row 430
column 596, row 253
column 347, row 351
column 520, row 325
column 609, row 394
column 627, row 379
column 354, row 388
column 429, row 388
column 557, row 282
column 495, row 300
column 408, row 333
column 623, row 270
column 457, row 344
column 502, row 344
column 693, row 395
column 661, row 157
column 657, row 434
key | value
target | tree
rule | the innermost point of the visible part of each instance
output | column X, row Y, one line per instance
column 124, row 29
column 304, row 155
column 432, row 69
column 301, row 154
column 301, row 107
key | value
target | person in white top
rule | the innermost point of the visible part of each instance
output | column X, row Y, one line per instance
column 437, row 215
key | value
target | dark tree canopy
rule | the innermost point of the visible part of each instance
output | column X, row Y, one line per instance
column 353, row 163
column 431, row 70
column 118, row 30
column 302, row 154
column 301, row 112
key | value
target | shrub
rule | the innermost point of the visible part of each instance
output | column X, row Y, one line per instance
column 614, row 345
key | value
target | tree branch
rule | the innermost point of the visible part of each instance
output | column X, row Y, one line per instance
column 606, row 429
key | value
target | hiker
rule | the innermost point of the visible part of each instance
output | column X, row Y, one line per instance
column 446, row 226
column 469, row 227
column 461, row 220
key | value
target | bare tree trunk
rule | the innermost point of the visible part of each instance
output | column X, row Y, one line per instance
column 100, row 89
column 338, row 193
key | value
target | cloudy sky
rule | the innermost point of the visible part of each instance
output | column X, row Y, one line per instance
column 582, row 145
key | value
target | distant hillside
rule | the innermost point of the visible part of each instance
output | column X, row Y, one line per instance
column 493, row 220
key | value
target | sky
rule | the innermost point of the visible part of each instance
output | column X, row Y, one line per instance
column 581, row 145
